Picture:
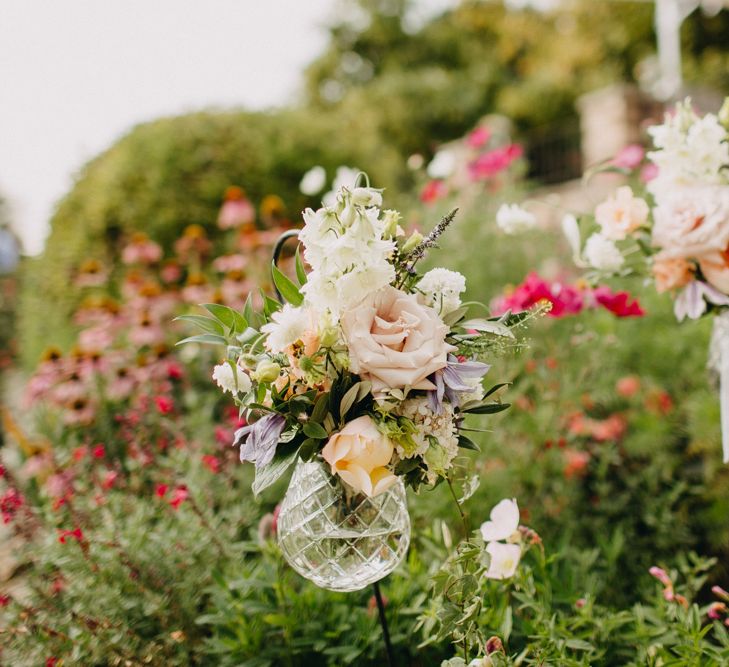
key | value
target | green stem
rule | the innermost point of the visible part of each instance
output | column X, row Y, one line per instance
column 464, row 520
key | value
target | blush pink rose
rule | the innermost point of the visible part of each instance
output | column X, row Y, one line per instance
column 621, row 214
column 671, row 273
column 692, row 221
column 359, row 454
column 394, row 341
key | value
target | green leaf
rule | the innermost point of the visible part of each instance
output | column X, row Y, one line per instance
column 300, row 271
column 320, row 409
column 348, row 400
column 314, row 430
column 467, row 443
column 270, row 306
column 206, row 323
column 273, row 471
column 286, row 287
column 487, row 408
column 487, row 326
column 206, row 339
column 495, row 388
column 226, row 315
column 454, row 316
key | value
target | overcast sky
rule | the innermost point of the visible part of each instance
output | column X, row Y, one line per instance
column 76, row 74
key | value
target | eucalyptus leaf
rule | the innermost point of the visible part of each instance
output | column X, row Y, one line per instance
column 314, row 430
column 348, row 400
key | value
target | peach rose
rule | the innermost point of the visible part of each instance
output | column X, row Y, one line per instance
column 671, row 273
column 715, row 267
column 621, row 214
column 692, row 221
column 359, row 454
column 394, row 341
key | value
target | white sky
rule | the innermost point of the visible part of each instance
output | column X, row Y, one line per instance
column 76, row 74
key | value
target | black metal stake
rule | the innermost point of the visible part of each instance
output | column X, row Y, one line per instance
column 383, row 623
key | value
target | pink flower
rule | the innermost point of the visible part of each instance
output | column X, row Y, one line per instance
column 161, row 490
column 98, row 452
column 4, row 600
column 109, row 479
column 236, row 210
column 576, row 463
column 618, row 303
column 211, row 462
column 627, row 386
column 478, row 137
column 179, row 496
column 489, row 164
column 394, row 341
column 10, row 502
column 433, row 191
column 580, row 603
column 65, row 535
column 141, row 250
column 661, row 575
column 629, row 157
column 648, row 172
column 720, row 592
column 564, row 299
column 716, row 610
column 165, row 405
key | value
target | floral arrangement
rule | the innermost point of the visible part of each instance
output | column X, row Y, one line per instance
column 367, row 363
column 677, row 231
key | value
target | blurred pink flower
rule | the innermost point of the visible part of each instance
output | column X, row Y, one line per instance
column 629, row 157
column 493, row 162
column 179, row 495
column 226, row 263
column 564, row 299
column 141, row 250
column 648, row 172
column 627, row 386
column 478, row 137
column 236, row 210
column 433, row 191
column 618, row 303
column 576, row 463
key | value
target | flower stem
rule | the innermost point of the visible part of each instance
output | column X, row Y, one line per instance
column 464, row 519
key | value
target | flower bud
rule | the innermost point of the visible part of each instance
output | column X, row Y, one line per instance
column 391, row 219
column 494, row 645
column 248, row 360
column 416, row 238
column 266, row 371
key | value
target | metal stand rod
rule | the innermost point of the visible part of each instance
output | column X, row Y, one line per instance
column 383, row 623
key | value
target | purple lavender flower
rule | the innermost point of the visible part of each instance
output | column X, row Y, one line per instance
column 258, row 441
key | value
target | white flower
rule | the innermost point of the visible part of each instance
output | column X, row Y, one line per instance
column 225, row 377
column 287, row 326
column 690, row 150
column 344, row 178
column 513, row 219
column 313, row 181
column 442, row 165
column 602, row 253
column 441, row 289
column 504, row 521
column 504, row 560
column 571, row 230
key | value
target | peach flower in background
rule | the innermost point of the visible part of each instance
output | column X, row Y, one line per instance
column 359, row 454
column 394, row 341
column 715, row 267
column 671, row 273
column 621, row 214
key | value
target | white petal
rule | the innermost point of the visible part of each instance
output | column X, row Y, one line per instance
column 504, row 560
column 504, row 521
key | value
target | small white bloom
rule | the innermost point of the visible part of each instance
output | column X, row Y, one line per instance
column 571, row 230
column 344, row 178
column 513, row 219
column 226, row 378
column 313, row 181
column 441, row 289
column 442, row 165
column 602, row 253
column 504, row 560
column 287, row 326
column 504, row 521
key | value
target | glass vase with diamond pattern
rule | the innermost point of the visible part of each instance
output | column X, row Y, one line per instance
column 339, row 539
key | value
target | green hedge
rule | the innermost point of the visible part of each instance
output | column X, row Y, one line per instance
column 173, row 172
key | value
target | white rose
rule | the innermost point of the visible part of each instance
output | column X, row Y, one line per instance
column 231, row 378
column 602, row 254
column 513, row 219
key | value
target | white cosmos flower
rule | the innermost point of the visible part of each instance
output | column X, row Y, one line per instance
column 225, row 377
column 441, row 289
column 504, row 560
column 287, row 326
column 442, row 165
column 313, row 181
column 601, row 253
column 504, row 521
column 513, row 219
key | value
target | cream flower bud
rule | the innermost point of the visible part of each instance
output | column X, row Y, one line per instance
column 266, row 371
column 416, row 238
